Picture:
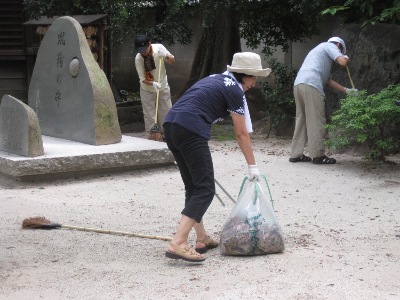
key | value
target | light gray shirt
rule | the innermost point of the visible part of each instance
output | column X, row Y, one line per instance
column 316, row 68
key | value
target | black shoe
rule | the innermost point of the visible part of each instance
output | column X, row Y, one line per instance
column 324, row 160
column 302, row 158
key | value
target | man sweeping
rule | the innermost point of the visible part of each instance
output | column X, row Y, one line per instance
column 309, row 96
column 155, row 93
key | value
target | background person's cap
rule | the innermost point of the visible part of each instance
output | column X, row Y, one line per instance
column 336, row 39
column 141, row 43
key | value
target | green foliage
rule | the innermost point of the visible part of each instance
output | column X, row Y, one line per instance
column 368, row 120
column 334, row 9
column 127, row 17
column 279, row 99
column 223, row 132
column 262, row 22
column 367, row 12
column 388, row 15
column 275, row 23
column 171, row 22
column 266, row 24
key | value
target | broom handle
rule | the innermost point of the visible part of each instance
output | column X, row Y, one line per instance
column 158, row 92
column 351, row 80
column 222, row 188
column 163, row 238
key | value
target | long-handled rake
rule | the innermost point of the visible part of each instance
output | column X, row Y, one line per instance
column 155, row 132
column 43, row 223
column 351, row 80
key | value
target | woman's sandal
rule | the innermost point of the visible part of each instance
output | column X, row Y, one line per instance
column 210, row 244
column 324, row 160
column 302, row 158
column 187, row 253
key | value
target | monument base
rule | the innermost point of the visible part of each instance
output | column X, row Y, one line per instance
column 62, row 158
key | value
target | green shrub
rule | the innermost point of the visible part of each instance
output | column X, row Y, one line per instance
column 368, row 120
column 279, row 100
column 223, row 131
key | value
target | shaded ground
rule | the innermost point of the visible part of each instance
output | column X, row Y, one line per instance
column 341, row 226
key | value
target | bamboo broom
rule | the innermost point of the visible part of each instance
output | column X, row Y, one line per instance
column 43, row 223
column 155, row 132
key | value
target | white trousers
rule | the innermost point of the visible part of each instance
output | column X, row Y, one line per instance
column 148, row 100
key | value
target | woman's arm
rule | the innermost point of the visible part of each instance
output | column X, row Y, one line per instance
column 243, row 138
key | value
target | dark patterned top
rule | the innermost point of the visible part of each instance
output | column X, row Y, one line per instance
column 208, row 101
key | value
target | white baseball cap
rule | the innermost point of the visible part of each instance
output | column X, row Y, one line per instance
column 336, row 39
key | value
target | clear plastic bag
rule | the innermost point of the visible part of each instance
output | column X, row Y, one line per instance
column 252, row 227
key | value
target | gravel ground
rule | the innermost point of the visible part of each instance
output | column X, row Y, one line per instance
column 341, row 225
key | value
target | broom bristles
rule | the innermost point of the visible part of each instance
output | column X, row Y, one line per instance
column 155, row 136
column 155, row 133
column 35, row 222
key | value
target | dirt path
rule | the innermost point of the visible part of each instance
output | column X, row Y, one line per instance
column 341, row 225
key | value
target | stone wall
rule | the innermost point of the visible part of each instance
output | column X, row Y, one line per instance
column 374, row 53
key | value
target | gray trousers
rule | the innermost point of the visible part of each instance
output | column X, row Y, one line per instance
column 310, row 122
column 148, row 100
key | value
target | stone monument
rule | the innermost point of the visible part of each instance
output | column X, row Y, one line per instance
column 19, row 128
column 69, row 92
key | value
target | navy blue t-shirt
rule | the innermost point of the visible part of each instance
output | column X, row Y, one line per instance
column 208, row 101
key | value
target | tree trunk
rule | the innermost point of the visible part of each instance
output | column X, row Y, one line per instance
column 217, row 45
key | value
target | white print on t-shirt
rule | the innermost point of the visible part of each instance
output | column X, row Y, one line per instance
column 229, row 81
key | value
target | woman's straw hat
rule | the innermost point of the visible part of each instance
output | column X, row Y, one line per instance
column 248, row 63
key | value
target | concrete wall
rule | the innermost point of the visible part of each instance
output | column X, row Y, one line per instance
column 328, row 28
column 125, row 75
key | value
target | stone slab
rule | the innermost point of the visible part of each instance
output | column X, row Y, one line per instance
column 19, row 128
column 63, row 157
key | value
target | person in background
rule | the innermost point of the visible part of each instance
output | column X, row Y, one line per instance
column 187, row 129
column 309, row 96
column 149, row 58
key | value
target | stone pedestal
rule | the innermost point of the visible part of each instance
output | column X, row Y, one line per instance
column 19, row 128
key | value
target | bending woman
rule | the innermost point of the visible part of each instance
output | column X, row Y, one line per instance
column 187, row 130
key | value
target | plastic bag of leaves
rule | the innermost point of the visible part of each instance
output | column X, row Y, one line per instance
column 252, row 227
